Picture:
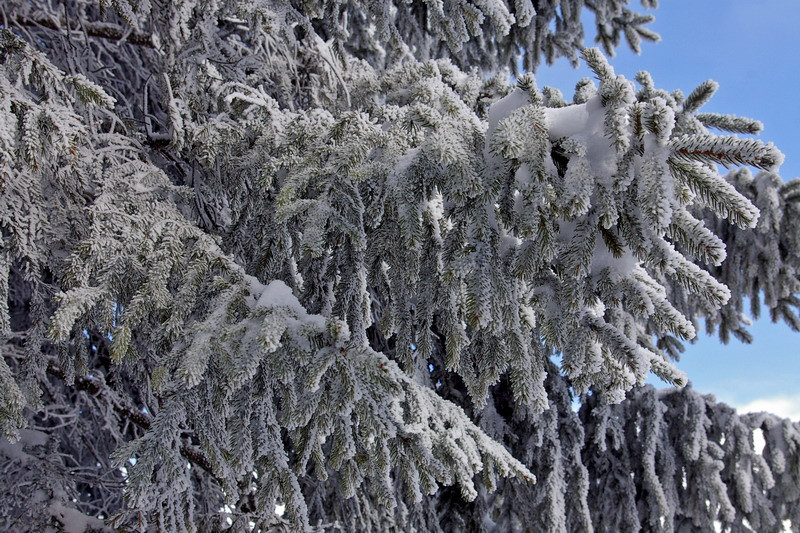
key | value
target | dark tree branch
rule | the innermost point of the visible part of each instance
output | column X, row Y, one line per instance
column 102, row 30
column 122, row 406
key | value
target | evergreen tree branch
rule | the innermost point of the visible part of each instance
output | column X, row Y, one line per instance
column 97, row 387
column 101, row 30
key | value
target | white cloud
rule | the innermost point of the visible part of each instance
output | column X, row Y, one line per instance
column 787, row 406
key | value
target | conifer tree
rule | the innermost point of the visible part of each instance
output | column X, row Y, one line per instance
column 270, row 265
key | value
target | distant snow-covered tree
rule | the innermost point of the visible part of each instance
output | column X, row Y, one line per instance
column 271, row 265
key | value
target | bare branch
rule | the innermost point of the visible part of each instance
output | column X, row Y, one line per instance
column 97, row 387
column 102, row 30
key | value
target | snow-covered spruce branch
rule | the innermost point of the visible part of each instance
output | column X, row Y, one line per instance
column 675, row 458
column 727, row 150
column 250, row 337
column 340, row 268
column 730, row 123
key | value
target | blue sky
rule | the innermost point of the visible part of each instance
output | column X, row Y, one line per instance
column 753, row 50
